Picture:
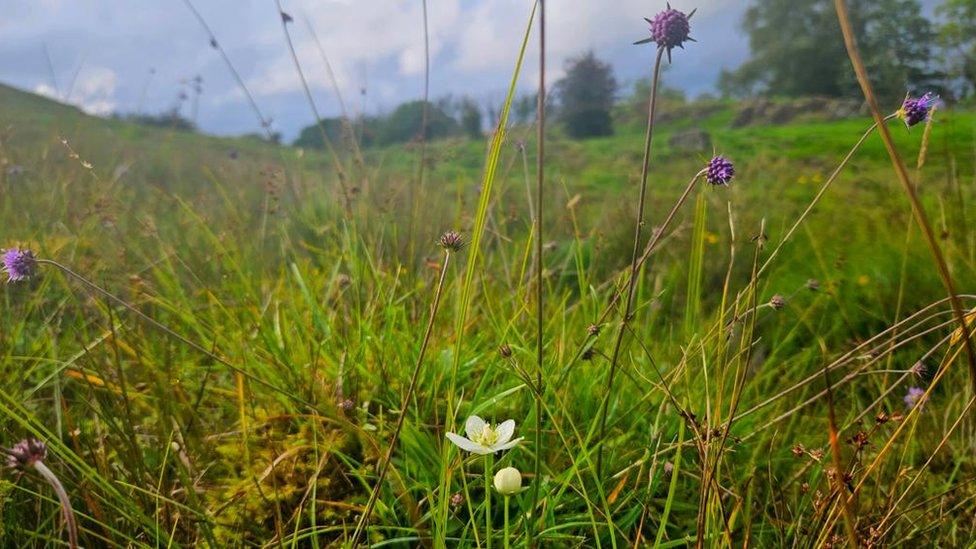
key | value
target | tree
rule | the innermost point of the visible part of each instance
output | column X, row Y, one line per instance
column 470, row 118
column 586, row 96
column 404, row 124
column 958, row 38
column 797, row 49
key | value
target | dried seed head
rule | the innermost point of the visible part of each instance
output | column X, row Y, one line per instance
column 918, row 369
column 813, row 285
column 505, row 350
column 881, row 418
column 451, row 241
column 593, row 330
column 798, row 450
column 777, row 302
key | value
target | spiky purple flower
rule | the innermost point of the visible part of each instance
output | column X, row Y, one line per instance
column 914, row 397
column 451, row 241
column 25, row 453
column 720, row 171
column 19, row 264
column 916, row 109
column 670, row 29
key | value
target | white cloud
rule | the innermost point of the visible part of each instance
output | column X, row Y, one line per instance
column 93, row 91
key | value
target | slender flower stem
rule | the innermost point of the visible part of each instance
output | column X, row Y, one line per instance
column 169, row 331
column 384, row 467
column 507, row 531
column 488, row 463
column 920, row 217
column 634, row 267
column 539, row 290
column 66, row 511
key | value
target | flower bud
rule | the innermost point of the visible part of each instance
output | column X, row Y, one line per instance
column 508, row 481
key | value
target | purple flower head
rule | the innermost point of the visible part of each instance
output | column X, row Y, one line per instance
column 23, row 454
column 719, row 171
column 917, row 109
column 669, row 29
column 19, row 264
column 451, row 241
column 914, row 397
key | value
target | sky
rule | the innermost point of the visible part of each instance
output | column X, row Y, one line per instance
column 139, row 55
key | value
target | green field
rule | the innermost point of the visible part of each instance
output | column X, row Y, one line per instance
column 246, row 249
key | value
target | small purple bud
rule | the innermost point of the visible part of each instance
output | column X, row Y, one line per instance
column 19, row 264
column 719, row 171
column 917, row 109
column 25, row 453
column 670, row 29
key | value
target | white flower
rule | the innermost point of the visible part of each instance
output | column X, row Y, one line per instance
column 482, row 439
column 508, row 481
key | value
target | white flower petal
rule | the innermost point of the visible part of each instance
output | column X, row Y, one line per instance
column 473, row 426
column 466, row 444
column 505, row 431
column 512, row 444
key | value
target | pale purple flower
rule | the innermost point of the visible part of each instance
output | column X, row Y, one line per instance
column 25, row 453
column 917, row 109
column 719, row 171
column 913, row 397
column 19, row 264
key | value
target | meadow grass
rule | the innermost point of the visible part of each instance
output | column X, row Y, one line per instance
column 759, row 380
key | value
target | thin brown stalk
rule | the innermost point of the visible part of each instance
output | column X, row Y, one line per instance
column 336, row 162
column 838, row 477
column 415, row 191
column 634, row 266
column 385, row 465
column 264, row 122
column 899, row 166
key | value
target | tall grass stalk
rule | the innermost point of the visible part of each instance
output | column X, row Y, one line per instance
column 634, row 267
column 899, row 166
column 477, row 234
column 391, row 445
column 539, row 288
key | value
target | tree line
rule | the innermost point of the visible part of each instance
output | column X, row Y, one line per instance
column 796, row 50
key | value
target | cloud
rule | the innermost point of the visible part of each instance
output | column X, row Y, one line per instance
column 93, row 91
column 372, row 44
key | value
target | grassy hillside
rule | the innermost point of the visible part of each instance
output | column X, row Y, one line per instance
column 317, row 316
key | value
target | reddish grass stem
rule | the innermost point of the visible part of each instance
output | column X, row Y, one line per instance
column 634, row 265
column 66, row 511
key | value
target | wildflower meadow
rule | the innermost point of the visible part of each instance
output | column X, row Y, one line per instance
column 512, row 338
